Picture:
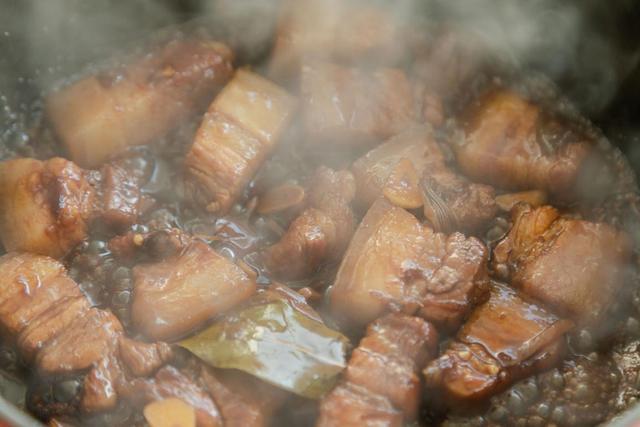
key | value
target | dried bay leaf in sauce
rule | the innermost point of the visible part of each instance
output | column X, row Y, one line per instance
column 277, row 342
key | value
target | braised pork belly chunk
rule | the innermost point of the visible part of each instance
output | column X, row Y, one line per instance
column 236, row 136
column 219, row 398
column 395, row 263
column 321, row 232
column 452, row 202
column 507, row 338
column 411, row 172
column 46, row 207
column 381, row 385
column 170, row 382
column 54, row 326
column 350, row 106
column 350, row 31
column 244, row 401
column 100, row 115
column 174, row 295
column 513, row 144
column 575, row 266
column 372, row 170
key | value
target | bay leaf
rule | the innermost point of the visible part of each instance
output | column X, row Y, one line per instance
column 278, row 343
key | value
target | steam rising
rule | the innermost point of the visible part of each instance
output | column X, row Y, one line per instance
column 557, row 38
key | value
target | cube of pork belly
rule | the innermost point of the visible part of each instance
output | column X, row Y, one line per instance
column 121, row 198
column 42, row 309
column 349, row 405
column 174, row 296
column 394, row 263
column 45, row 206
column 321, row 232
column 575, row 266
column 504, row 340
column 380, row 385
column 452, row 203
column 100, row 115
column 388, row 242
column 388, row 358
column 348, row 106
column 30, row 285
column 372, row 170
column 353, row 31
column 87, row 340
column 244, row 400
column 236, row 136
column 511, row 143
column 170, row 382
column 452, row 271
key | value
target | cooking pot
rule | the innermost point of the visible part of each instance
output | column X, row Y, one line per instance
column 590, row 48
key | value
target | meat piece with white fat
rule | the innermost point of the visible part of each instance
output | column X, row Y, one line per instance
column 238, row 133
column 101, row 115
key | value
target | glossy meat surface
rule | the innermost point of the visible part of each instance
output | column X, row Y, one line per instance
column 505, row 339
column 383, row 369
column 171, row 382
column 244, row 401
column 372, row 170
column 321, row 232
column 55, row 328
column 393, row 262
column 45, row 206
column 452, row 273
column 450, row 201
column 101, row 115
column 575, row 266
column 351, row 405
column 348, row 106
column 513, row 144
column 237, row 134
column 121, row 196
column 177, row 294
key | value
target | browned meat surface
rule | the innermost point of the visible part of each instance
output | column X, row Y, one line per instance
column 121, row 197
column 31, row 285
column 575, row 266
column 46, row 314
column 505, row 339
column 99, row 116
column 244, row 401
column 342, row 105
column 351, row 405
column 142, row 359
column 87, row 340
column 320, row 233
column 352, row 31
column 450, row 201
column 170, row 382
column 237, row 134
column 393, row 262
column 173, row 296
column 451, row 272
column 381, row 384
column 45, row 206
column 512, row 144
column 372, row 170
